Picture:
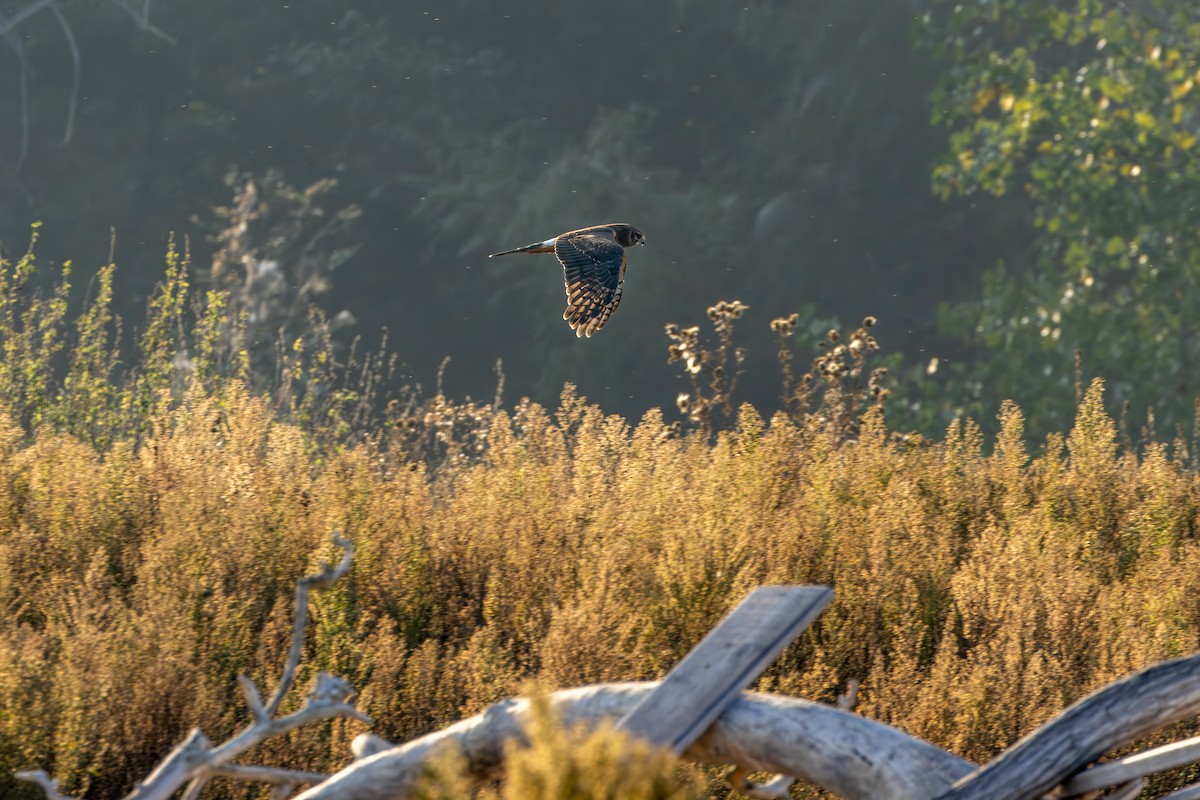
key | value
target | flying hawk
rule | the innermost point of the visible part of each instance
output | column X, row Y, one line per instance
column 593, row 261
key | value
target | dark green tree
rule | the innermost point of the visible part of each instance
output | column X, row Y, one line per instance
column 773, row 151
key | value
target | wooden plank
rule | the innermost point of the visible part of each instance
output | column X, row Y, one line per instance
column 724, row 663
column 1119, row 713
column 1120, row 770
column 1128, row 791
column 1189, row 792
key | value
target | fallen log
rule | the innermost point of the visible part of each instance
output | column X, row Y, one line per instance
column 841, row 752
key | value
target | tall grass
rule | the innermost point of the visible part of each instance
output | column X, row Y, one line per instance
column 155, row 517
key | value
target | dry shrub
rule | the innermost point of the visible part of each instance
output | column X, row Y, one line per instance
column 977, row 593
column 599, row 764
column 152, row 531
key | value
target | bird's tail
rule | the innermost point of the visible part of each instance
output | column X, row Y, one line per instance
column 536, row 247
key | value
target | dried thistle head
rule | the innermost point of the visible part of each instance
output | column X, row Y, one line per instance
column 708, row 365
column 724, row 313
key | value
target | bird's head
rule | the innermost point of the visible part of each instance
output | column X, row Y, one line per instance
column 627, row 235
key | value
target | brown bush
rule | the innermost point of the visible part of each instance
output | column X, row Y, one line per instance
column 153, row 521
column 977, row 594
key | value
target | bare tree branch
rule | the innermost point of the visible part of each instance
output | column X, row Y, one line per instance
column 175, row 769
column 195, row 787
column 1191, row 792
column 322, row 579
column 841, row 752
column 23, row 92
column 1117, row 714
column 43, row 780
column 253, row 699
column 1138, row 765
column 75, row 73
column 142, row 19
column 1128, row 791
column 7, row 27
column 282, row 791
column 25, row 13
column 195, row 762
column 366, row 745
column 273, row 775
column 847, row 701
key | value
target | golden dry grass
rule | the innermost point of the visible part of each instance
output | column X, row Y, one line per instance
column 977, row 594
column 152, row 525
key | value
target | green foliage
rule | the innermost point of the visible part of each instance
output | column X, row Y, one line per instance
column 31, row 336
column 1088, row 108
column 69, row 376
column 89, row 390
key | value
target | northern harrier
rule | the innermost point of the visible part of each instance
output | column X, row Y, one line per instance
column 593, row 262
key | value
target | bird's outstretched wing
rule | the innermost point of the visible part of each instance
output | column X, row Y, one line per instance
column 594, row 271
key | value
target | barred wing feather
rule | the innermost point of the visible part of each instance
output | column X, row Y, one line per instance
column 594, row 272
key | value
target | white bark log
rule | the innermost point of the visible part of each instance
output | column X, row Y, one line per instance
column 844, row 753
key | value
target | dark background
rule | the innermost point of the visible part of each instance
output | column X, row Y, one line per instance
column 774, row 152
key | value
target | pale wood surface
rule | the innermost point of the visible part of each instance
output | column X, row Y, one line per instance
column 1127, row 791
column 1147, row 762
column 844, row 753
column 725, row 662
column 1116, row 715
column 1191, row 792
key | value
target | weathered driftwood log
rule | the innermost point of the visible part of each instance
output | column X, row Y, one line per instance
column 1138, row 765
column 1116, row 715
column 842, row 752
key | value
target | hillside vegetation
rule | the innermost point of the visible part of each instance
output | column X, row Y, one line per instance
column 156, row 514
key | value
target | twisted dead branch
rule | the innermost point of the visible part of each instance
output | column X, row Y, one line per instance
column 195, row 761
column 8, row 28
column 49, row 785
